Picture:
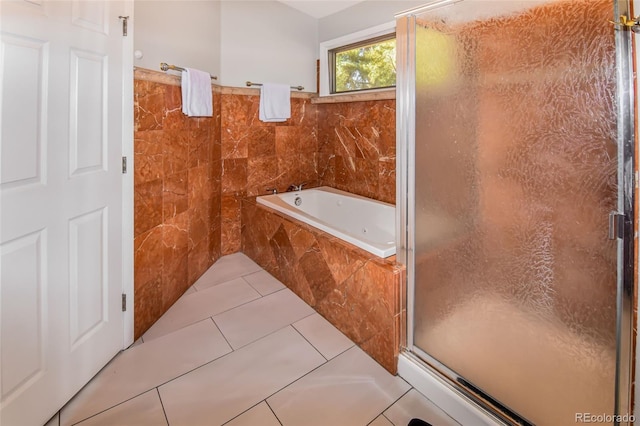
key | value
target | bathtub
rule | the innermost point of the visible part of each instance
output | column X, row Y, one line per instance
column 363, row 222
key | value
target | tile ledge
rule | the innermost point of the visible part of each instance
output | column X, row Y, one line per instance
column 356, row 97
column 145, row 74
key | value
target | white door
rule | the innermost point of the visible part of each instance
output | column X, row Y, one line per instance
column 61, row 91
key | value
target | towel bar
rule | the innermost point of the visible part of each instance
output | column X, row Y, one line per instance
column 260, row 84
column 165, row 67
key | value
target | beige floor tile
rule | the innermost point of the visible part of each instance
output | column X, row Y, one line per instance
column 54, row 421
column 260, row 415
column 381, row 421
column 202, row 304
column 143, row 410
column 223, row 389
column 226, row 269
column 414, row 405
column 256, row 319
column 264, row 282
column 351, row 389
column 327, row 339
column 146, row 366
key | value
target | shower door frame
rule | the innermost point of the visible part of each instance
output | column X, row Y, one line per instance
column 622, row 230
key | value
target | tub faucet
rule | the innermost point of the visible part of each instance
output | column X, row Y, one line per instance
column 295, row 187
column 272, row 190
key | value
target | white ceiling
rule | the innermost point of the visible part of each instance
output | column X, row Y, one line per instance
column 320, row 8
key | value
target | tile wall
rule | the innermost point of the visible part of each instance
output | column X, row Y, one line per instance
column 257, row 155
column 191, row 174
column 176, row 197
column 359, row 293
column 357, row 147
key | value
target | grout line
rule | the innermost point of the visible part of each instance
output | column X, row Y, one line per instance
column 307, row 340
column 388, row 419
column 162, row 405
column 274, row 413
column 113, row 406
column 250, row 408
column 394, row 402
column 222, row 334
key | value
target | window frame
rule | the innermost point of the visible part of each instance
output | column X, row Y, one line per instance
column 345, row 41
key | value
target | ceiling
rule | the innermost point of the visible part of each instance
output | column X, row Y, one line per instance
column 320, row 8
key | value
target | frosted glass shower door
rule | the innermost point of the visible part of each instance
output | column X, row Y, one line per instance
column 515, row 177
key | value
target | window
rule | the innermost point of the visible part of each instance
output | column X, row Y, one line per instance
column 365, row 60
column 369, row 64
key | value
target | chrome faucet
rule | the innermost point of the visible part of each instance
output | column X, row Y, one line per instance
column 272, row 190
column 296, row 187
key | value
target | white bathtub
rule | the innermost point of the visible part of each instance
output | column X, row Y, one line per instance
column 363, row 222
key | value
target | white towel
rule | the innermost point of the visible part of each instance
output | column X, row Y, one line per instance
column 275, row 102
column 196, row 93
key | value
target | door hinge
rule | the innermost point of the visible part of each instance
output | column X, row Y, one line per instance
column 124, row 25
column 616, row 225
column 124, row 165
column 124, row 302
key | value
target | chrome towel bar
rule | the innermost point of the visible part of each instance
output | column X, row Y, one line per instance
column 166, row 67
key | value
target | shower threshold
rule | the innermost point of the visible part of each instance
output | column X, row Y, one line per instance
column 442, row 393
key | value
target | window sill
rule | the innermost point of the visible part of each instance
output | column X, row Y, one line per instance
column 378, row 95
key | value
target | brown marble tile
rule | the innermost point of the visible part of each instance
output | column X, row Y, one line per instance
column 148, row 156
column 200, row 184
column 173, row 117
column 357, row 175
column 381, row 347
column 148, row 107
column 175, row 151
column 262, row 173
column 175, row 195
column 198, row 260
column 147, row 206
column 262, row 142
column 175, row 236
column 148, row 257
column 234, row 175
column 199, row 223
column 231, row 221
column 147, row 306
column 357, row 292
column 200, row 147
column 387, row 181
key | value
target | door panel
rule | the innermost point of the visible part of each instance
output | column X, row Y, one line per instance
column 516, row 174
column 60, row 202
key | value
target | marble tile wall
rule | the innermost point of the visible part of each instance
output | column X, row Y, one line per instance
column 357, row 147
column 177, row 197
column 360, row 294
column 257, row 155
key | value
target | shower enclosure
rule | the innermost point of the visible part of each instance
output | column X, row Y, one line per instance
column 516, row 193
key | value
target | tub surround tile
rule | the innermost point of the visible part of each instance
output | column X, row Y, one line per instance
column 355, row 291
column 147, row 366
column 143, row 410
column 216, row 393
column 254, row 320
column 354, row 141
column 174, row 195
column 322, row 398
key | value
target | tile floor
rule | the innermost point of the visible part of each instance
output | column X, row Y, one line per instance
column 239, row 348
